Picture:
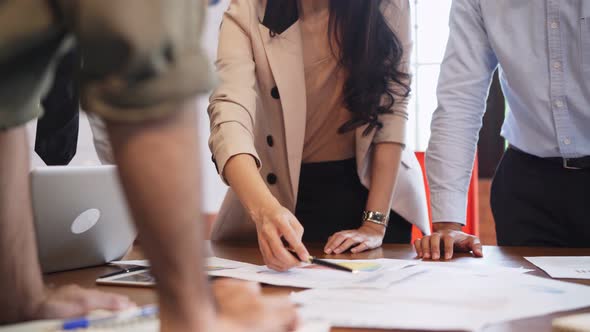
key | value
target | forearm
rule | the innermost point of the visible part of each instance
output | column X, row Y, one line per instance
column 385, row 166
column 273, row 221
column 159, row 171
column 20, row 281
column 242, row 175
column 465, row 76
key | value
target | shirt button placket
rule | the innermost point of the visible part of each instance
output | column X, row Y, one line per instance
column 557, row 70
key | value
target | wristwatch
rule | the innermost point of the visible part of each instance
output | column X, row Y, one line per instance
column 376, row 218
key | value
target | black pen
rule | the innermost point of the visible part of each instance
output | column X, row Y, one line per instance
column 324, row 263
column 125, row 270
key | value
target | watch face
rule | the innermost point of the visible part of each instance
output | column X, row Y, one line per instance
column 376, row 216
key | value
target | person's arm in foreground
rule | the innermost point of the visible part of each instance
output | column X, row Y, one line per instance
column 159, row 170
column 384, row 169
column 24, row 297
column 157, row 162
column 463, row 85
column 146, row 96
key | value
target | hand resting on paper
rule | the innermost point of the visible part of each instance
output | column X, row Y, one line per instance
column 74, row 301
column 242, row 307
column 448, row 237
column 368, row 236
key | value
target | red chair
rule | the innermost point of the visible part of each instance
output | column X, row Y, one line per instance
column 472, row 225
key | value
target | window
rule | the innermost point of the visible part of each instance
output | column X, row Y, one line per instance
column 430, row 32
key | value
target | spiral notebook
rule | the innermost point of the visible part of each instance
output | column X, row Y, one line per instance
column 142, row 325
column 148, row 324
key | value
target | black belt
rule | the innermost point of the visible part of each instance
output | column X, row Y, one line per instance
column 569, row 163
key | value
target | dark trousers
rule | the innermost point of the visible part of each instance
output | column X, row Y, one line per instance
column 331, row 199
column 537, row 202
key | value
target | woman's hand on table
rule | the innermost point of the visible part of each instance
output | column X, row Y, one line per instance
column 242, row 307
column 275, row 224
column 368, row 236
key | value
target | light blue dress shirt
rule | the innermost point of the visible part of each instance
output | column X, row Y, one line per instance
column 542, row 49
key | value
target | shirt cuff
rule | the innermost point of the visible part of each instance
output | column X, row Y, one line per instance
column 449, row 207
column 235, row 140
column 393, row 131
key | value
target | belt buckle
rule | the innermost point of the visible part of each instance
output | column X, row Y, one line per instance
column 566, row 166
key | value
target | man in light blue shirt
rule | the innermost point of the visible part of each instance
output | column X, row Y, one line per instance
column 541, row 190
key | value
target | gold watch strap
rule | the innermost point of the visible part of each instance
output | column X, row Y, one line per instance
column 376, row 218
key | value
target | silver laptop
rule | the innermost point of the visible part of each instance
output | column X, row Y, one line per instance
column 81, row 217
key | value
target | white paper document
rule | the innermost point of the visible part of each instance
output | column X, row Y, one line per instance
column 439, row 298
column 571, row 267
column 376, row 273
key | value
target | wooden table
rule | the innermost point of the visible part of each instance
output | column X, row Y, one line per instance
column 248, row 252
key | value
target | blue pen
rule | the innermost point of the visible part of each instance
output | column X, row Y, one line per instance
column 84, row 322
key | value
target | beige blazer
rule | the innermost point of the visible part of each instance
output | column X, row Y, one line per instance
column 259, row 109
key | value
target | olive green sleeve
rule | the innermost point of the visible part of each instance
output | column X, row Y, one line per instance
column 140, row 59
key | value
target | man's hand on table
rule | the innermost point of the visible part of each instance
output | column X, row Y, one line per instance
column 448, row 237
column 242, row 307
column 74, row 301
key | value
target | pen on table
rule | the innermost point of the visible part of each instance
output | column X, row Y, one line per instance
column 324, row 263
column 85, row 322
column 122, row 271
column 335, row 266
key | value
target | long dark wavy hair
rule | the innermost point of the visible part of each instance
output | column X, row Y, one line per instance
column 366, row 47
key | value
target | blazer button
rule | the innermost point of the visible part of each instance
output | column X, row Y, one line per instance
column 270, row 141
column 271, row 178
column 274, row 92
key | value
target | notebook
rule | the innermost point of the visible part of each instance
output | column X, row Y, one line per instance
column 134, row 325
column 143, row 325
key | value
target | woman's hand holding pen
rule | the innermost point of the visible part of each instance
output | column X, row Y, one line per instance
column 273, row 224
column 368, row 236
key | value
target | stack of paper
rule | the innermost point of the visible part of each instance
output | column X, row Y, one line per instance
column 436, row 298
column 376, row 273
column 379, row 273
column 412, row 294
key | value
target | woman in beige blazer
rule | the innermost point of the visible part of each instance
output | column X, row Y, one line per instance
column 308, row 126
